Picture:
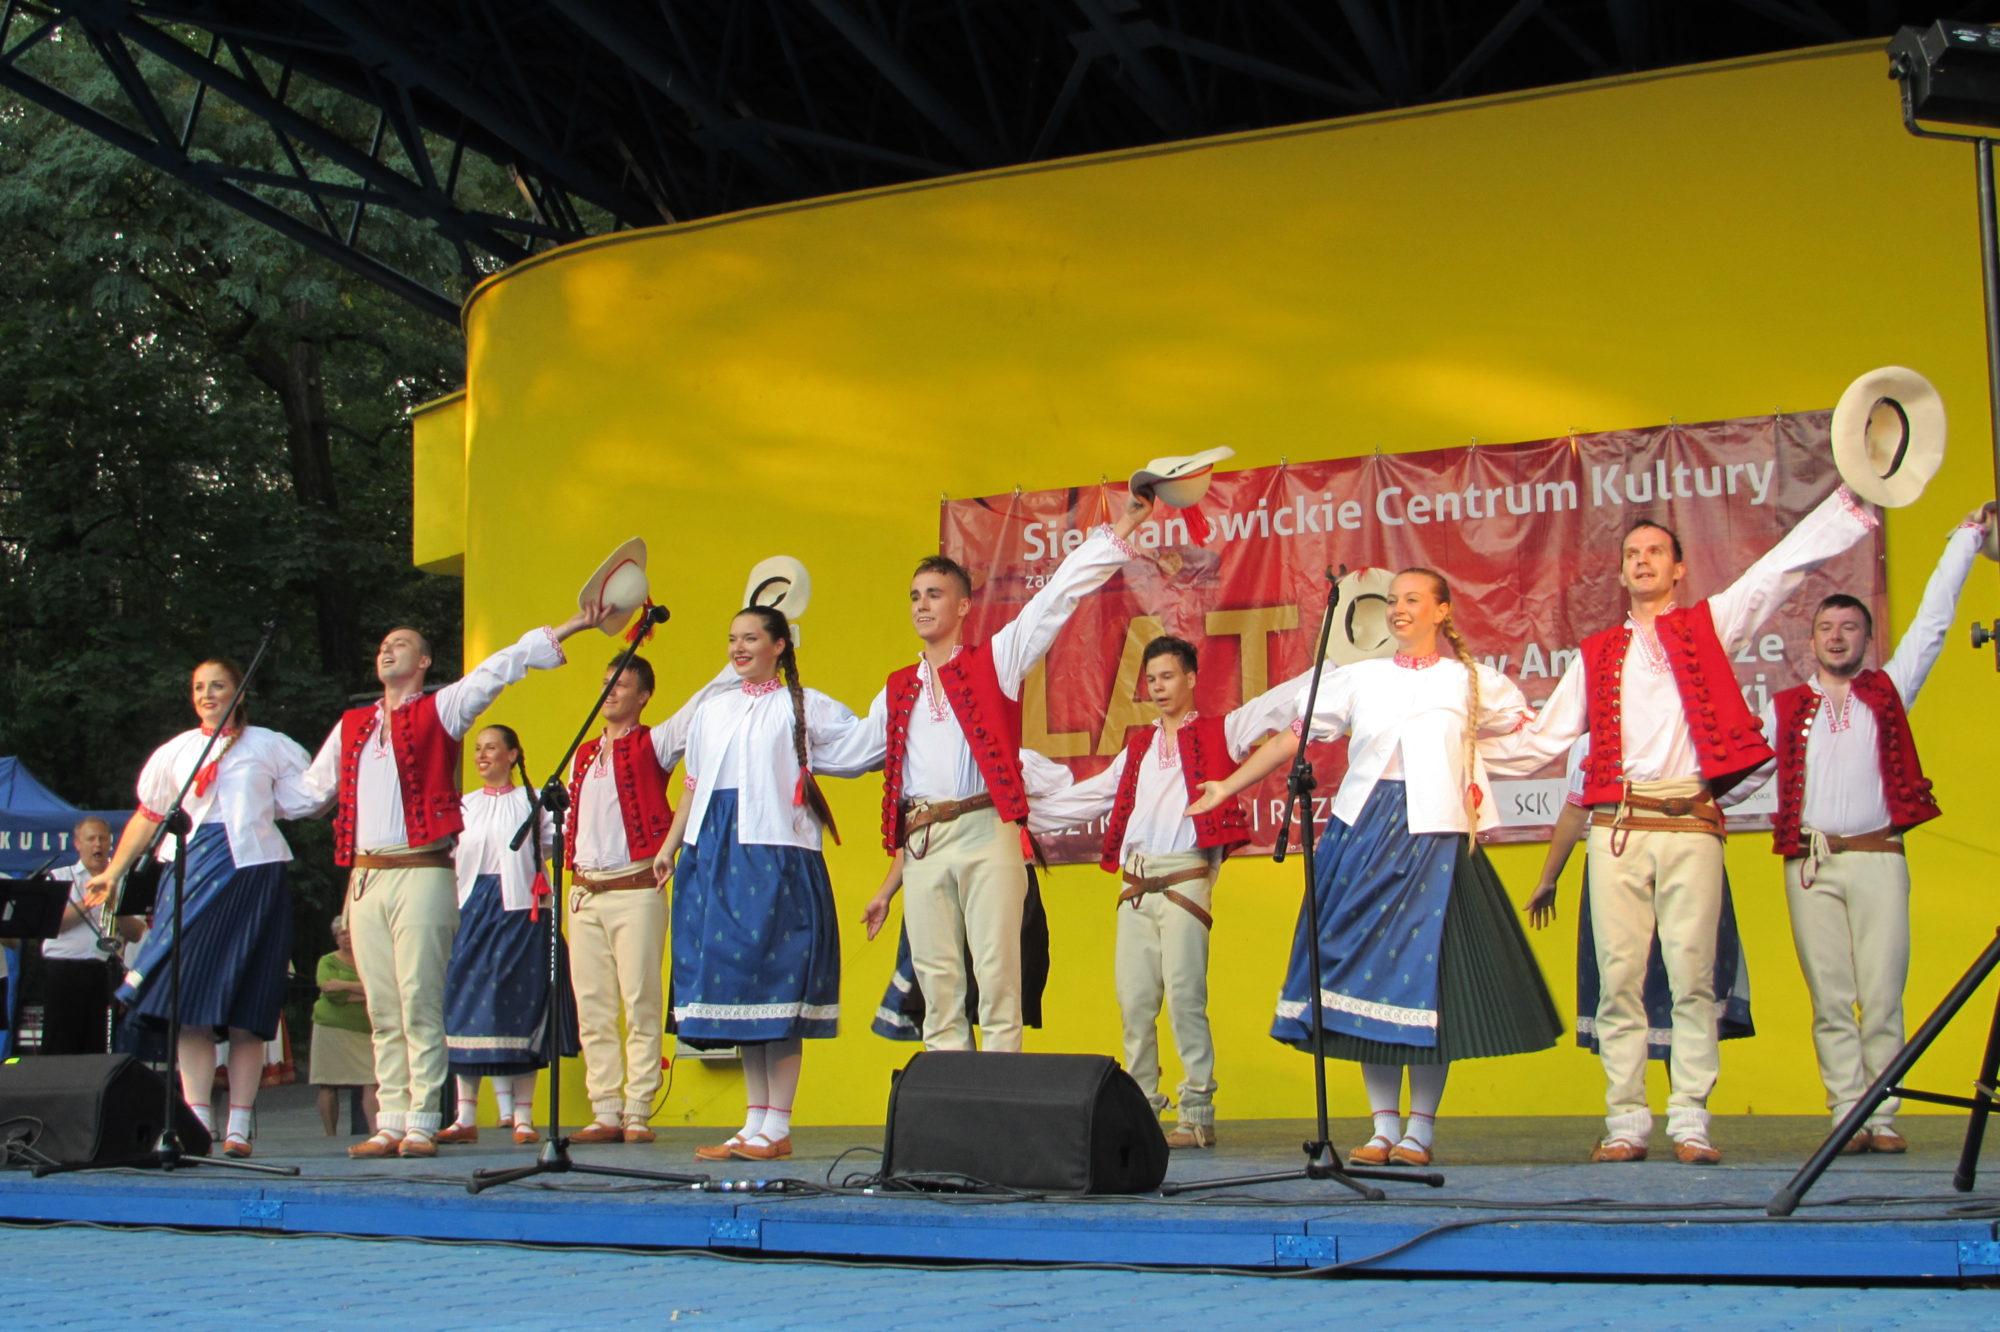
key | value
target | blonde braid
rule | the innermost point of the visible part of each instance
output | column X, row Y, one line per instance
column 1469, row 753
column 788, row 663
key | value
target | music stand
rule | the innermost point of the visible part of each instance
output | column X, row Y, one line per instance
column 30, row 908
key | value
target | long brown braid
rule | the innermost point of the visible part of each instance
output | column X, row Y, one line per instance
column 1448, row 627
column 780, row 629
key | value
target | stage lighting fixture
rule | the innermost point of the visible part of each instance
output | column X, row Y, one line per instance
column 1949, row 72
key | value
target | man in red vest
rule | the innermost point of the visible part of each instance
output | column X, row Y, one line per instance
column 1668, row 731
column 392, row 767
column 1169, row 863
column 1849, row 786
column 952, row 785
column 618, row 817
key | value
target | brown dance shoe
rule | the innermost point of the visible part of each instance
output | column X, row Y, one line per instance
column 598, row 1133
column 236, row 1146
column 1857, row 1144
column 1192, row 1135
column 721, row 1151
column 781, row 1150
column 638, row 1132
column 459, row 1133
column 1887, row 1141
column 1618, row 1150
column 1693, row 1151
column 1374, row 1152
column 525, row 1134
column 377, row 1145
column 418, row 1143
column 1409, row 1152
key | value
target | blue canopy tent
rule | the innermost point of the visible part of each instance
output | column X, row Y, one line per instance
column 35, row 825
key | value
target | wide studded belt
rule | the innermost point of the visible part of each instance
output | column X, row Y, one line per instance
column 1641, row 813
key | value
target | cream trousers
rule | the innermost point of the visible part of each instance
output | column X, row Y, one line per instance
column 403, row 922
column 617, row 941
column 1852, row 932
column 1670, row 882
column 966, row 893
column 1163, row 954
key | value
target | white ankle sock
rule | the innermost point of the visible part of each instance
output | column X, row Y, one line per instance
column 468, row 1111
column 753, row 1121
column 1422, row 1129
column 777, row 1124
column 503, row 1097
column 205, row 1115
column 239, row 1120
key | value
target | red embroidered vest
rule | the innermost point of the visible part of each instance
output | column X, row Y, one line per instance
column 426, row 769
column 642, row 791
column 1728, row 738
column 990, row 720
column 1904, row 786
column 1204, row 754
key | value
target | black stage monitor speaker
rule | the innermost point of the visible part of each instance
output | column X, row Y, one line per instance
column 84, row 1109
column 1044, row 1123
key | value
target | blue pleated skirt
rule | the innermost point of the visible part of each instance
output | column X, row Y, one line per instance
column 238, row 941
column 1423, row 960
column 497, row 989
column 755, row 947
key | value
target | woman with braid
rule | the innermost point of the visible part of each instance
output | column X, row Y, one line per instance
column 496, row 992
column 756, row 952
column 1421, row 960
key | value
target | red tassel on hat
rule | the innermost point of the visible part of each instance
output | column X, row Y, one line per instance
column 1198, row 524
column 536, row 893
column 641, row 627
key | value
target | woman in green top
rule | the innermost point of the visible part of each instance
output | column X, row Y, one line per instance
column 343, row 1053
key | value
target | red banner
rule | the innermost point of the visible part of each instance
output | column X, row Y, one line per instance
column 1528, row 535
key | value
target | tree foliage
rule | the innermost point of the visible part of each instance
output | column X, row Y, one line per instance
column 202, row 427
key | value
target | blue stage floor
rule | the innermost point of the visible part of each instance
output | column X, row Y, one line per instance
column 1517, row 1203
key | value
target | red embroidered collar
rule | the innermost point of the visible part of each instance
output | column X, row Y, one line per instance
column 1423, row 663
column 509, row 789
column 759, row 688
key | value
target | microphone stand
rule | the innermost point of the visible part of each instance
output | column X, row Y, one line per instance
column 1322, row 1162
column 554, row 798
column 167, row 1152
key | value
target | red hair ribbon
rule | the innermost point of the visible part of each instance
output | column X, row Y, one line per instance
column 641, row 627
column 536, row 893
column 206, row 777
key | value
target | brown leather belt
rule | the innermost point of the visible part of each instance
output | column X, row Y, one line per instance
column 405, row 860
column 1137, row 887
column 624, row 882
column 1696, row 813
column 923, row 813
column 1882, row 839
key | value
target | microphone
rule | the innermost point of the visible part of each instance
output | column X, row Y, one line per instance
column 272, row 625
column 658, row 614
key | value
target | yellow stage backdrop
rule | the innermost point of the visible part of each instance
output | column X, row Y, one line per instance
column 808, row 380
